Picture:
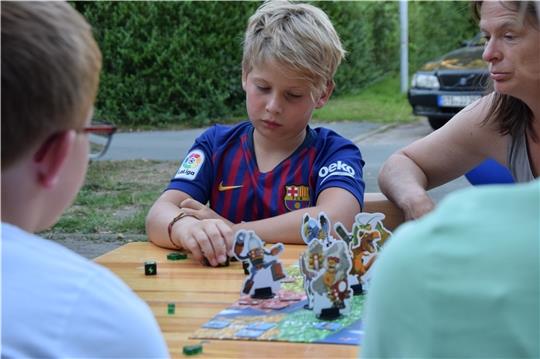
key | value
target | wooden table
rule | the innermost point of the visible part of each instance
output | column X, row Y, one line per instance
column 199, row 294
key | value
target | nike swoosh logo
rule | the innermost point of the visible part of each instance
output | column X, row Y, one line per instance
column 222, row 188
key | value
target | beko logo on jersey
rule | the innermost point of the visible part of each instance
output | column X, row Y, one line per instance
column 336, row 169
column 191, row 165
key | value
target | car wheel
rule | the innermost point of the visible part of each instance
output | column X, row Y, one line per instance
column 437, row 122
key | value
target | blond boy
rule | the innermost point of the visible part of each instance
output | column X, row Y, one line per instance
column 265, row 173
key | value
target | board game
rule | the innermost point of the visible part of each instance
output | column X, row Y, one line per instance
column 319, row 300
column 271, row 320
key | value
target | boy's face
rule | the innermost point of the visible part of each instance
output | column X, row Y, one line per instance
column 279, row 104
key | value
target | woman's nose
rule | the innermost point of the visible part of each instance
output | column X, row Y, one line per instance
column 492, row 52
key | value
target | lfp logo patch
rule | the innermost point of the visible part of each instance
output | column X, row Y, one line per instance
column 191, row 165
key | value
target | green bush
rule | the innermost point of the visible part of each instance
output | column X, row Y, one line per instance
column 167, row 63
column 436, row 27
column 370, row 44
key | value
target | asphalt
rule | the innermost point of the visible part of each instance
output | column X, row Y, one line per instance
column 173, row 145
column 376, row 143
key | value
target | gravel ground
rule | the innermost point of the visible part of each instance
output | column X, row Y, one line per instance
column 93, row 245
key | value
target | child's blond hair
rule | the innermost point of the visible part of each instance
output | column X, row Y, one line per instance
column 297, row 36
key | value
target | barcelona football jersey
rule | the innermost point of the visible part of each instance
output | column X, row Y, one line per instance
column 221, row 169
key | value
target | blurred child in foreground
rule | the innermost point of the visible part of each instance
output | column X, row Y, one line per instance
column 55, row 303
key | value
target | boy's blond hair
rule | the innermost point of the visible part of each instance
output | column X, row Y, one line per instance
column 297, row 36
column 50, row 73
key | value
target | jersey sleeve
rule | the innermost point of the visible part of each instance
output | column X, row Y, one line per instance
column 195, row 173
column 340, row 165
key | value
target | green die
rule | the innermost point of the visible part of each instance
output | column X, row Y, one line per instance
column 174, row 256
column 150, row 268
column 192, row 349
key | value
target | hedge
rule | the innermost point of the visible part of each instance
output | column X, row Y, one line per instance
column 168, row 63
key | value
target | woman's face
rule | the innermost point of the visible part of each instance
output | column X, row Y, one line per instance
column 512, row 50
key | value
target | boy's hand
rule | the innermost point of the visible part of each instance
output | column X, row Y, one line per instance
column 210, row 238
column 198, row 210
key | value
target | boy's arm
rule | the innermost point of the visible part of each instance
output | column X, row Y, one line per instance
column 339, row 204
column 210, row 238
column 198, row 210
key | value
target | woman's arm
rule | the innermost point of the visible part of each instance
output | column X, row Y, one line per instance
column 440, row 157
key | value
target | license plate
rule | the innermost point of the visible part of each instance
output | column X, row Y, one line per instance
column 456, row 101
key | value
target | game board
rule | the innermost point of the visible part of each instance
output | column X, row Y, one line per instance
column 283, row 318
column 315, row 302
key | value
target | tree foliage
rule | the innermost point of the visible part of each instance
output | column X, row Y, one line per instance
column 180, row 62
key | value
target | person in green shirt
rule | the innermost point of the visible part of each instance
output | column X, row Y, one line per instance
column 463, row 281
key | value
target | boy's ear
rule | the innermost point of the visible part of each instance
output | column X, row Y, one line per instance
column 51, row 156
column 244, row 80
column 325, row 96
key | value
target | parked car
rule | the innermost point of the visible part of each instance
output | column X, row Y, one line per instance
column 441, row 88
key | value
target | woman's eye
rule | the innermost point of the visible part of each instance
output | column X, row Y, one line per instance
column 509, row 36
column 262, row 88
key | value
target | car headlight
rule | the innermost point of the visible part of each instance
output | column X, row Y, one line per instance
column 428, row 81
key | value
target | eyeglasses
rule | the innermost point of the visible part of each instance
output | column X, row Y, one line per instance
column 100, row 136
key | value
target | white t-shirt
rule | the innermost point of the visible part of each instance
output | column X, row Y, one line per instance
column 58, row 304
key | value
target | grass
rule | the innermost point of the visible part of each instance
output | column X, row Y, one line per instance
column 118, row 194
column 382, row 102
column 115, row 198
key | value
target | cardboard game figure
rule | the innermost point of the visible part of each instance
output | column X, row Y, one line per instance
column 367, row 237
column 331, row 292
column 265, row 271
column 311, row 263
column 316, row 234
column 313, row 229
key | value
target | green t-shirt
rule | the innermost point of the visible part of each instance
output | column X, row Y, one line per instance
column 464, row 281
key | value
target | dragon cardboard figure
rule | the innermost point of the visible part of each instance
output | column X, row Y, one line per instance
column 367, row 237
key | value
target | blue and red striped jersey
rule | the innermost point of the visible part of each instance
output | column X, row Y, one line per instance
column 221, row 169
